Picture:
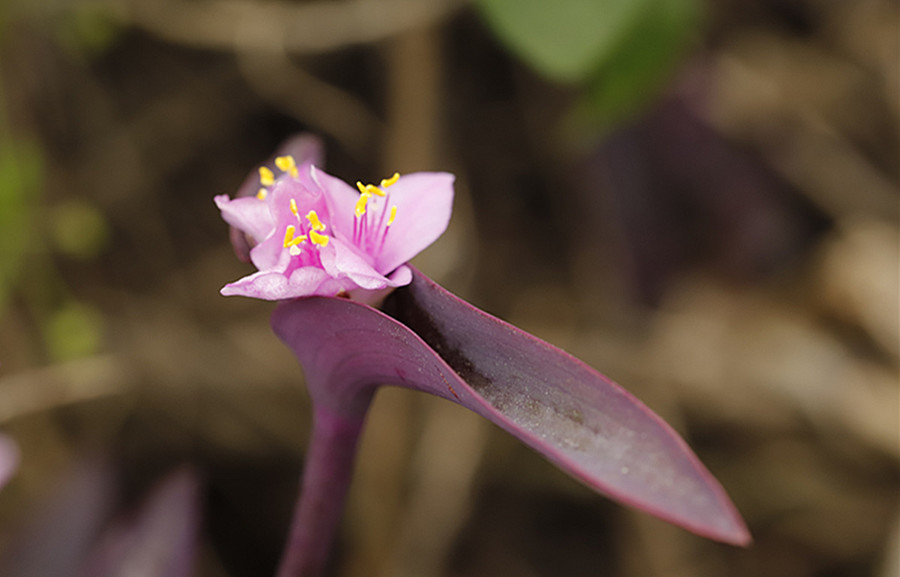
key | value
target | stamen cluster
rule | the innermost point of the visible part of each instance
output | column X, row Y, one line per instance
column 373, row 220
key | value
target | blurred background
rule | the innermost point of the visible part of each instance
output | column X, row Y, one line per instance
column 699, row 199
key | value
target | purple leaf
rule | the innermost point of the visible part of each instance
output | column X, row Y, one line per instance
column 574, row 416
column 71, row 534
column 9, row 459
column 56, row 537
column 160, row 540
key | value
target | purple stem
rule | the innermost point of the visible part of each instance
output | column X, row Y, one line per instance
column 327, row 472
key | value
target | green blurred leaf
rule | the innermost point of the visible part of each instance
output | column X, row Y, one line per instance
column 639, row 67
column 72, row 332
column 90, row 27
column 79, row 229
column 21, row 169
column 563, row 39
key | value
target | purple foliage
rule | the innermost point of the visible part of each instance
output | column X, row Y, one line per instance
column 159, row 540
column 9, row 459
column 76, row 532
column 573, row 415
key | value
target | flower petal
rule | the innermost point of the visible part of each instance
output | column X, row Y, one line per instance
column 424, row 201
column 264, row 285
column 274, row 286
column 341, row 199
column 248, row 214
column 306, row 149
column 305, row 193
column 269, row 255
column 348, row 263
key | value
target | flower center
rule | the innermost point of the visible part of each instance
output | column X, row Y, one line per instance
column 372, row 219
column 309, row 227
column 292, row 240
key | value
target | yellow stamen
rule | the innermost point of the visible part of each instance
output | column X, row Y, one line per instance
column 289, row 235
column 314, row 221
column 294, row 250
column 392, row 216
column 361, row 204
column 369, row 189
column 389, row 181
column 287, row 164
column 266, row 176
column 290, row 240
column 319, row 239
column 294, row 208
column 262, row 193
column 372, row 189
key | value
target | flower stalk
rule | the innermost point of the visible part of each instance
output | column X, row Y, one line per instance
column 327, row 472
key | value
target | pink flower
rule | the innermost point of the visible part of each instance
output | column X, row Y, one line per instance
column 314, row 234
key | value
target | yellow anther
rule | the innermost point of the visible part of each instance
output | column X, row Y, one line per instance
column 369, row 189
column 372, row 189
column 389, row 181
column 287, row 164
column 319, row 239
column 266, row 176
column 314, row 221
column 361, row 204
column 294, row 208
column 289, row 235
column 262, row 193
column 290, row 240
column 392, row 216
column 294, row 250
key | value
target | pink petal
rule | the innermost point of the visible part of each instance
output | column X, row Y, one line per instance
column 249, row 214
column 269, row 255
column 305, row 148
column 341, row 200
column 305, row 193
column 348, row 263
column 424, row 201
column 275, row 286
column 313, row 281
column 264, row 285
column 400, row 277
